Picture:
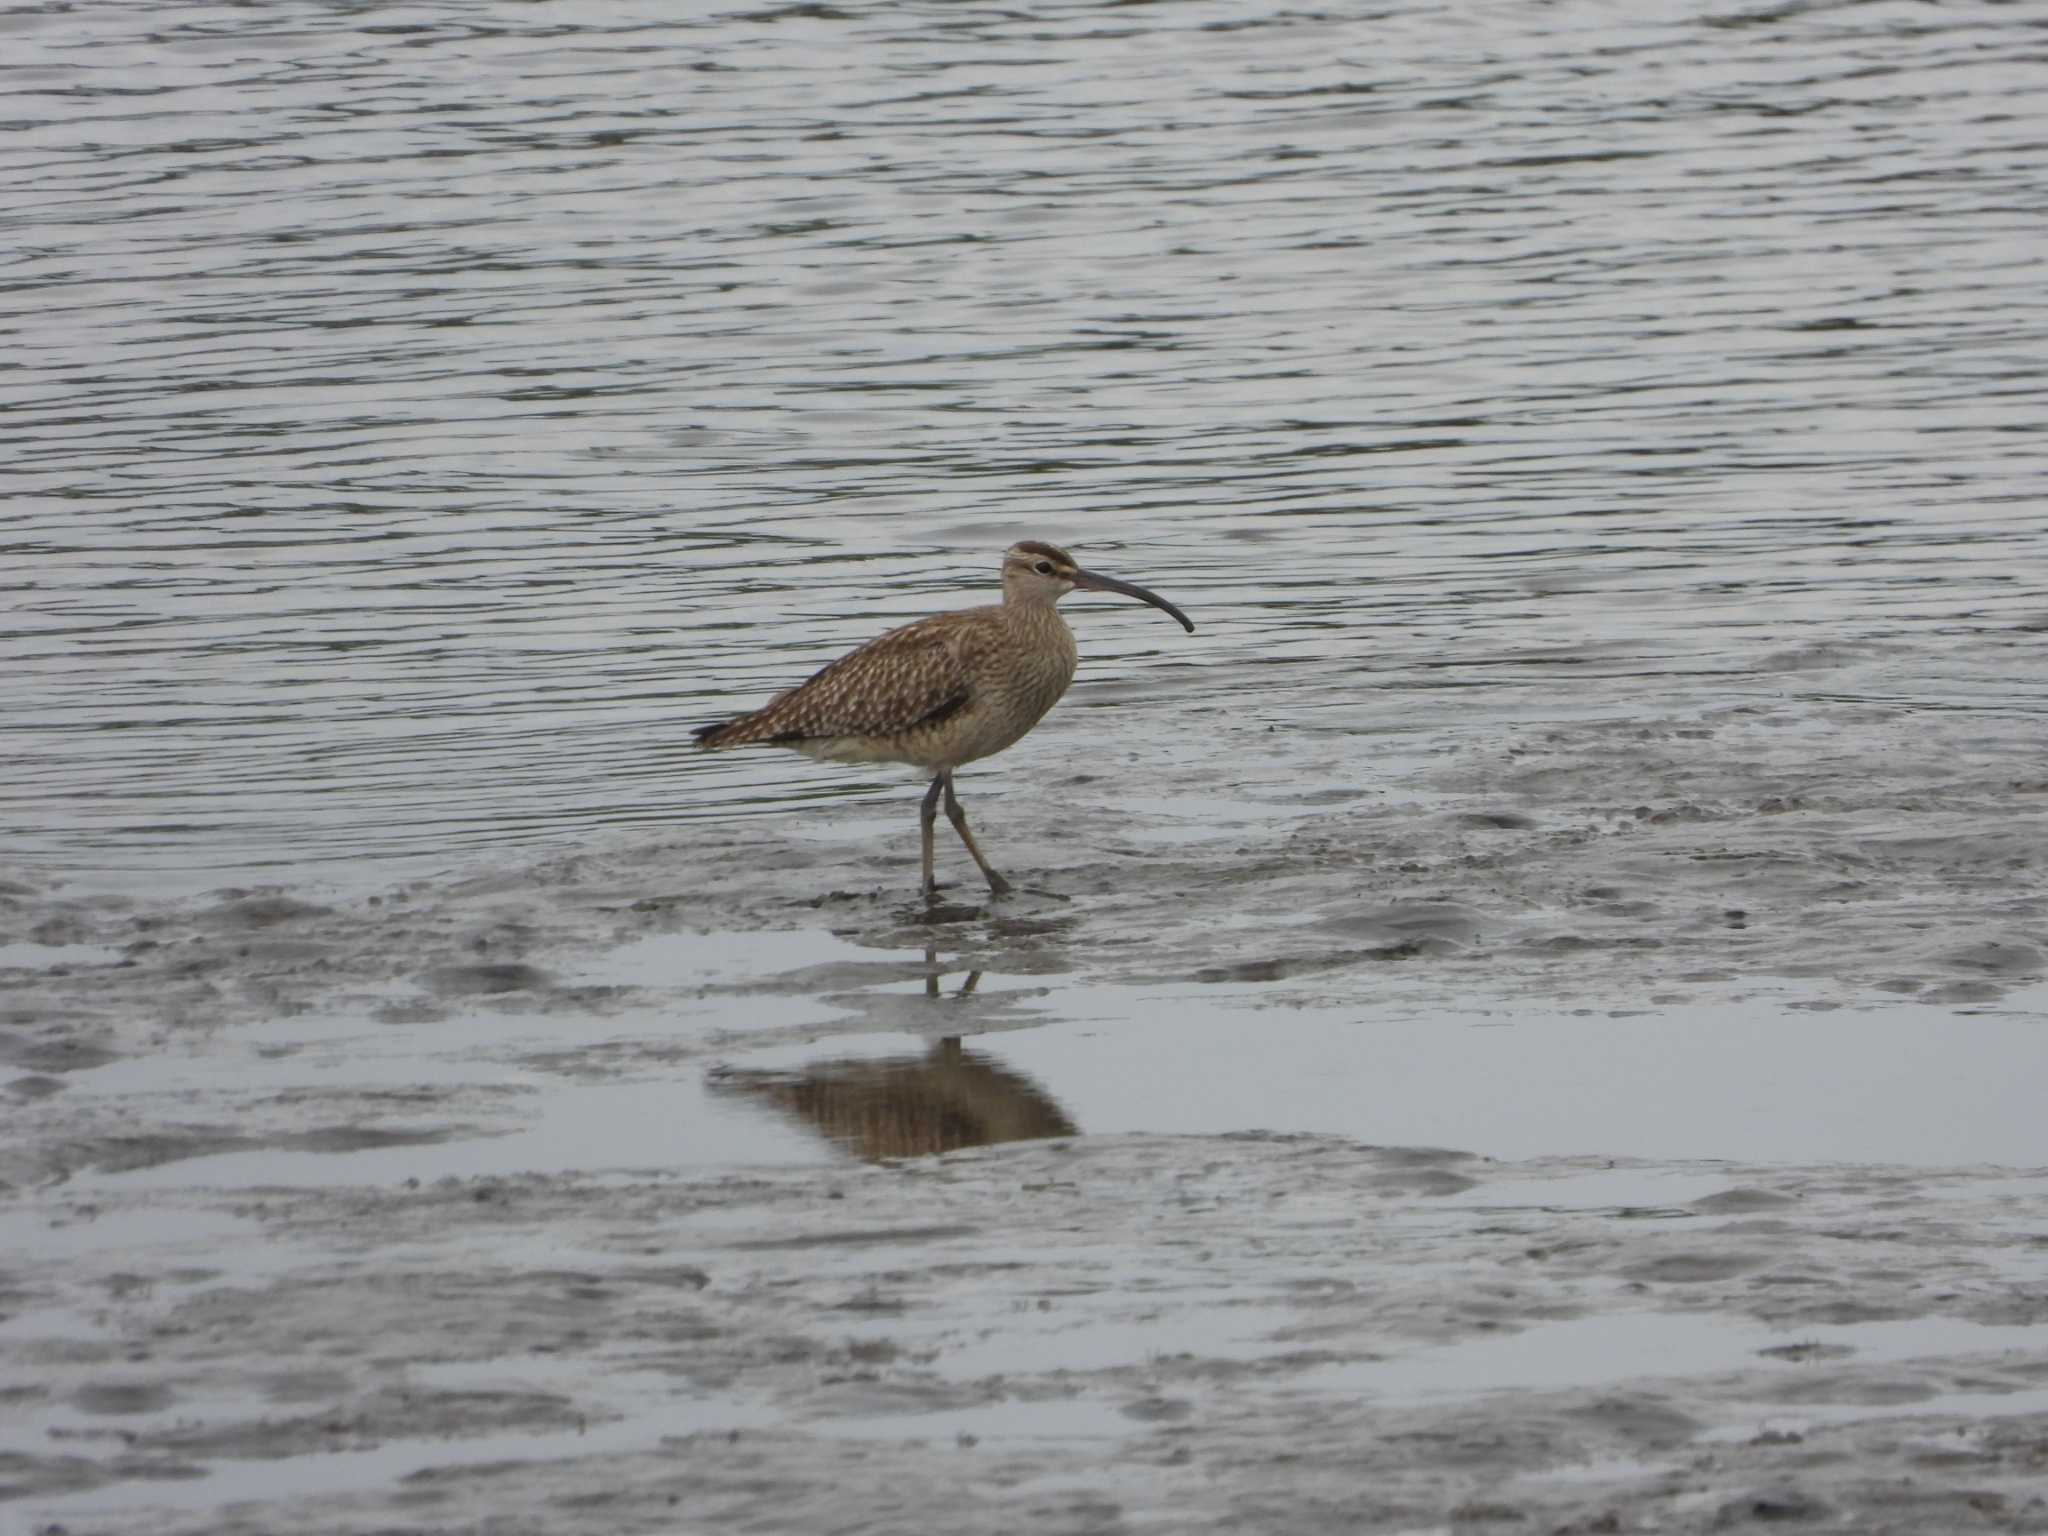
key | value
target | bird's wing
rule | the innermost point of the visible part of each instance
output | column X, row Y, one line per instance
column 910, row 675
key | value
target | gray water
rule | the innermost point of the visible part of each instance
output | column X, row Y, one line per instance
column 416, row 416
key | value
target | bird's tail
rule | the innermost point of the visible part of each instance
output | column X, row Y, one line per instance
column 744, row 731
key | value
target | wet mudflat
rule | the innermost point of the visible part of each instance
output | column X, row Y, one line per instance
column 1531, row 1018
column 1074, row 1335
column 1487, row 1163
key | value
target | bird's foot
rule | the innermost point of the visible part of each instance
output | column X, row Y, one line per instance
column 997, row 886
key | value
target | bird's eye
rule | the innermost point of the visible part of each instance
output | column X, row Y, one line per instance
column 1044, row 567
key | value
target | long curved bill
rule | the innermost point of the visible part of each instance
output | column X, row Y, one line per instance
column 1092, row 581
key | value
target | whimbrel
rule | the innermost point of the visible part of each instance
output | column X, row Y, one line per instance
column 942, row 691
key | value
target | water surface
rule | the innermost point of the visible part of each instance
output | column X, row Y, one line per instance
column 418, row 416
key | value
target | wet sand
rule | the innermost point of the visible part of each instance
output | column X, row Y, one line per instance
column 1092, row 1335
column 593, row 1195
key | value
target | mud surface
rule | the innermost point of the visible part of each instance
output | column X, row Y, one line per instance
column 1095, row 1335
column 594, row 1195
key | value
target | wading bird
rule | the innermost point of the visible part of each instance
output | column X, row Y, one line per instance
column 942, row 691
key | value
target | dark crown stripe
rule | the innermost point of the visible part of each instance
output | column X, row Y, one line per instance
column 1040, row 547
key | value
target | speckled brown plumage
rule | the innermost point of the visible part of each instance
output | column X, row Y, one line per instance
column 935, row 694
column 943, row 691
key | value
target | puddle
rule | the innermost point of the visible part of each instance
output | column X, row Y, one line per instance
column 79, row 1234
column 1638, row 1189
column 42, row 957
column 325, row 1059
column 905, row 1058
column 1012, row 1419
column 724, row 958
column 1759, row 1081
column 1635, row 1346
column 479, row 1093
column 41, row 1323
column 569, row 1127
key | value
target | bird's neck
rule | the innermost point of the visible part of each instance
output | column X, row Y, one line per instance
column 1031, row 612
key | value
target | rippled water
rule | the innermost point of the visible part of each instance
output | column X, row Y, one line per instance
column 416, row 416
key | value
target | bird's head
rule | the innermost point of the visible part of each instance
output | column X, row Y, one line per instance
column 1040, row 573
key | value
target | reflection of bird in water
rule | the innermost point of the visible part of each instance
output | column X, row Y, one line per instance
column 908, row 1106
column 942, row 691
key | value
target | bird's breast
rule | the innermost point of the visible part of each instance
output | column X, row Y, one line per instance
column 1020, row 680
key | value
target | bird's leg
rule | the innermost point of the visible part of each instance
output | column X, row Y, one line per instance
column 927, row 819
column 997, row 885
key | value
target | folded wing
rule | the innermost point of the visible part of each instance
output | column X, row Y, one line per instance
column 911, row 676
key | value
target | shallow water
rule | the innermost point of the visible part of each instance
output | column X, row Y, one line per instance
column 418, row 419
column 1907, row 1083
